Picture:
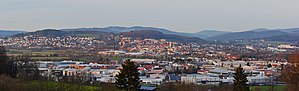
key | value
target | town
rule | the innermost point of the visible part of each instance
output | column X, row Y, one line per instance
column 149, row 45
column 159, row 61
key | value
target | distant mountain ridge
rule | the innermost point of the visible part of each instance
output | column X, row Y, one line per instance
column 159, row 35
column 209, row 33
column 261, row 33
column 104, row 35
column 5, row 33
column 247, row 35
column 117, row 30
column 282, row 38
column 59, row 33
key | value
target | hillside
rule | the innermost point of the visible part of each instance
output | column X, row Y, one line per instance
column 117, row 30
column 171, row 35
column 104, row 35
column 247, row 35
column 209, row 33
column 45, row 33
column 159, row 35
column 205, row 34
column 294, row 31
column 5, row 33
column 282, row 38
column 59, row 33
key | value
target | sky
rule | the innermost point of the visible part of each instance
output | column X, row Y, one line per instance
column 176, row 15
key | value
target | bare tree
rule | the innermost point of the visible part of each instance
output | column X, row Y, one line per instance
column 290, row 73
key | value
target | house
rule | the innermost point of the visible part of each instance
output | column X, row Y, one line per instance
column 154, row 81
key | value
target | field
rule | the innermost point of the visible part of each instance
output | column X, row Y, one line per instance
column 115, row 58
column 49, row 58
column 12, row 84
column 43, row 53
column 30, row 52
column 52, row 86
column 268, row 88
column 39, row 55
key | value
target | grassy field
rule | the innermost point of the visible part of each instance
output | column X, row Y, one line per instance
column 13, row 84
column 268, row 88
column 54, row 86
column 39, row 55
column 44, row 52
column 115, row 58
column 83, row 59
column 13, row 51
column 49, row 58
column 58, row 86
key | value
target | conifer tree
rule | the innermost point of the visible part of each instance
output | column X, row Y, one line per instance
column 128, row 78
column 269, row 65
column 240, row 80
column 3, row 61
column 7, row 65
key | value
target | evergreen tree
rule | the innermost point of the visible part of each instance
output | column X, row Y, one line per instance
column 240, row 80
column 269, row 65
column 177, row 69
column 3, row 60
column 248, row 64
column 128, row 78
column 28, row 71
column 8, row 66
column 12, row 68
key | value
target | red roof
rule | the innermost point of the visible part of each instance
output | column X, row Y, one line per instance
column 141, row 68
column 118, row 68
column 148, row 66
column 202, row 70
column 155, row 72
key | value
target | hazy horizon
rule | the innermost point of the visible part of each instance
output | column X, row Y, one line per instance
column 145, row 26
column 176, row 15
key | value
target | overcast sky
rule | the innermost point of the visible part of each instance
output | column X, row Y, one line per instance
column 177, row 15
